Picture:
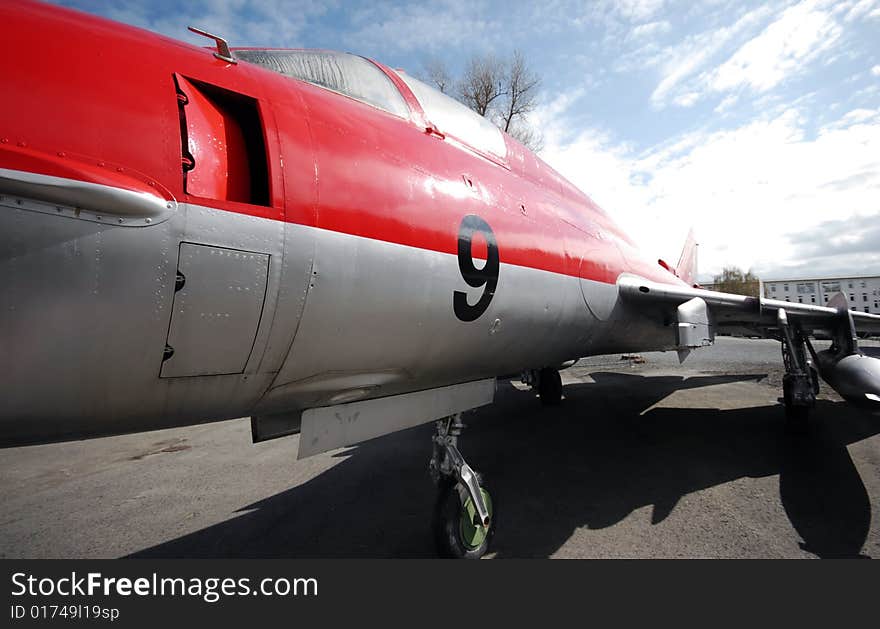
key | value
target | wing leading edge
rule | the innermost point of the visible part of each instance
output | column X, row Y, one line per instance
column 731, row 311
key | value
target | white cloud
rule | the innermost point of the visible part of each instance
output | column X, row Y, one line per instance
column 242, row 22
column 461, row 24
column 875, row 70
column 749, row 191
column 798, row 36
column 727, row 104
column 651, row 29
column 687, row 58
column 638, row 10
column 785, row 47
column 861, row 8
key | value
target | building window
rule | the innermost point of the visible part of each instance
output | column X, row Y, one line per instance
column 867, row 309
column 850, row 284
column 800, row 299
column 864, row 296
column 852, row 297
column 806, row 287
column 773, row 288
column 830, row 287
column 785, row 287
column 813, row 298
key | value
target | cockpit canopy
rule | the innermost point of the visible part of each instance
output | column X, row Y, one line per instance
column 362, row 80
column 453, row 118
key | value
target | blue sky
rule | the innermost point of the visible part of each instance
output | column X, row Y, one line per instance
column 757, row 123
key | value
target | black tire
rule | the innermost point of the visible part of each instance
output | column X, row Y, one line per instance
column 452, row 541
column 814, row 374
column 550, row 387
column 796, row 417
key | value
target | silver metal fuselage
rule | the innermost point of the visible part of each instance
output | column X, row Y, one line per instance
column 88, row 307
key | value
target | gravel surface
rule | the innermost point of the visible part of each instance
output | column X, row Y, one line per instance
column 652, row 459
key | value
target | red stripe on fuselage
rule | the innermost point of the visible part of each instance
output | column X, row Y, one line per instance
column 334, row 163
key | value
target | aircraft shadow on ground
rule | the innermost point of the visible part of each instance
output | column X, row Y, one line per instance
column 586, row 463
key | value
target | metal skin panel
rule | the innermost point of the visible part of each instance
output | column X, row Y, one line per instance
column 104, row 374
column 86, row 201
column 694, row 324
column 85, row 314
column 362, row 236
column 379, row 318
column 216, row 313
column 333, row 427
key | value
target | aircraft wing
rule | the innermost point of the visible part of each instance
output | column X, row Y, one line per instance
column 729, row 312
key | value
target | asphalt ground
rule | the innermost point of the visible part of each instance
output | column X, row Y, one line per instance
column 650, row 459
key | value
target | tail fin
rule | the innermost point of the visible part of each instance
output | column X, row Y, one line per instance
column 687, row 263
column 838, row 302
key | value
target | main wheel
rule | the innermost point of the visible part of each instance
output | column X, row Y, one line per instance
column 814, row 375
column 455, row 533
column 796, row 417
column 550, row 387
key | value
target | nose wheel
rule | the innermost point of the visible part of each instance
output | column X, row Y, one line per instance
column 464, row 518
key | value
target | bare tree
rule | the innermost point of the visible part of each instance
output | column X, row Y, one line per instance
column 527, row 135
column 520, row 91
column 482, row 83
column 733, row 280
column 436, row 74
column 506, row 92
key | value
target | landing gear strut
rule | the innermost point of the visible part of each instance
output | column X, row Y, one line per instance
column 548, row 382
column 800, row 384
column 464, row 521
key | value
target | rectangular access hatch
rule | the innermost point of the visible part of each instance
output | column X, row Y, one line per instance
column 218, row 304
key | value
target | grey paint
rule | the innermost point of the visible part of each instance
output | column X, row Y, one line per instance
column 379, row 318
column 695, row 327
column 856, row 377
column 85, row 309
column 343, row 319
column 332, row 427
column 215, row 315
column 85, row 201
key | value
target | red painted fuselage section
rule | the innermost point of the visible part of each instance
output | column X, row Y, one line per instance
column 96, row 100
column 307, row 247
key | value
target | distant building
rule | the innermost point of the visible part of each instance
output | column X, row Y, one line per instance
column 862, row 292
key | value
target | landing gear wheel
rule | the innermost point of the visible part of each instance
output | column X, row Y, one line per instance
column 796, row 417
column 455, row 533
column 550, row 387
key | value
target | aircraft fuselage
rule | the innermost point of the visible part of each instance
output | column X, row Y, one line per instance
column 183, row 239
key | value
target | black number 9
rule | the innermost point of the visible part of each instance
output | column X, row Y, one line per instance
column 487, row 276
